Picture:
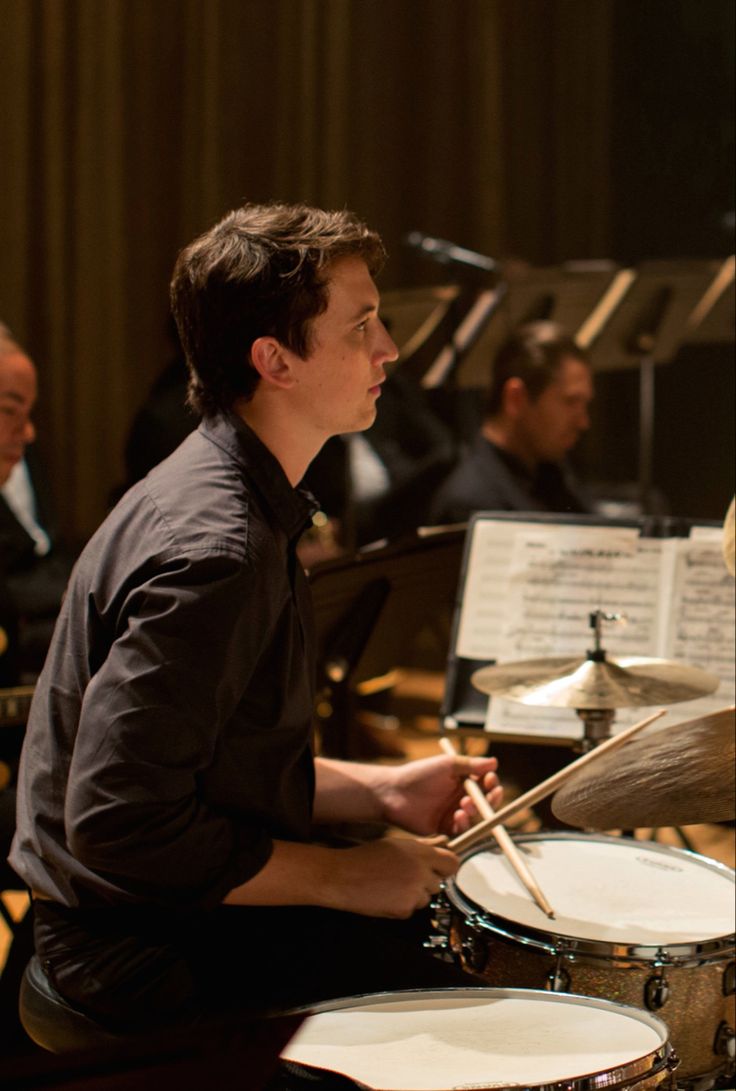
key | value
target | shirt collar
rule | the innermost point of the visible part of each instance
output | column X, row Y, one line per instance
column 292, row 507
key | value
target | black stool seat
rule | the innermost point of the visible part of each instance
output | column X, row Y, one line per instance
column 52, row 1023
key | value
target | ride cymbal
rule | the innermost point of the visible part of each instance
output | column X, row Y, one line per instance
column 676, row 776
column 595, row 683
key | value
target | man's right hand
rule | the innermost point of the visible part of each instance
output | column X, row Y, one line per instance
column 392, row 877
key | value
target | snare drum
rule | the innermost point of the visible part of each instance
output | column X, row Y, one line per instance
column 635, row 922
column 438, row 1040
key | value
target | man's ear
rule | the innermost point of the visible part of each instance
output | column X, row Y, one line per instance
column 515, row 397
column 272, row 362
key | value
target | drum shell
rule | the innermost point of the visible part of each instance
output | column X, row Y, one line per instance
column 697, row 1010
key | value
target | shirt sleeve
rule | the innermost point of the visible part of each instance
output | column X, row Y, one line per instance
column 186, row 647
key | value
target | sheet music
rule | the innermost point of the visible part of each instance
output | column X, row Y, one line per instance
column 484, row 595
column 556, row 580
column 700, row 606
column 701, row 631
column 530, row 588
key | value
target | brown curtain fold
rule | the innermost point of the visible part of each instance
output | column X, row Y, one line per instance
column 127, row 126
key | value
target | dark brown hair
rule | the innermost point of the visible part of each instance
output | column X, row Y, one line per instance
column 533, row 353
column 263, row 270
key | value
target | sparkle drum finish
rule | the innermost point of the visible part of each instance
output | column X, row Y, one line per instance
column 635, row 923
column 483, row 1038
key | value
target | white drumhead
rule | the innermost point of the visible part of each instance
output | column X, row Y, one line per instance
column 613, row 890
column 499, row 1038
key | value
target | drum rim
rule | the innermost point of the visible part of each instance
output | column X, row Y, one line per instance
column 693, row 953
column 658, row 1060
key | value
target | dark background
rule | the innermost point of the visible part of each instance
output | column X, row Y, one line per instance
column 535, row 131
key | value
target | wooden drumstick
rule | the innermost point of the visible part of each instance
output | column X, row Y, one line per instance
column 505, row 842
column 551, row 784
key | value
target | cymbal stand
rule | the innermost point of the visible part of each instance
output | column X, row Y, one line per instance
column 596, row 727
column 597, row 721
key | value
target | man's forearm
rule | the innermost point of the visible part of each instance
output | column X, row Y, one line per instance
column 391, row 877
column 348, row 791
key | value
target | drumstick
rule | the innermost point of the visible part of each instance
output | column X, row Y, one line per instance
column 477, row 833
column 507, row 846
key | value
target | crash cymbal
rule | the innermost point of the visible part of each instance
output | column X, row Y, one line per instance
column 673, row 776
column 593, row 683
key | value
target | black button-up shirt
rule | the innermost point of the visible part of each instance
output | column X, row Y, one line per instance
column 168, row 740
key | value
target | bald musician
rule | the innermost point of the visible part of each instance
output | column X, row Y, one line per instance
column 170, row 809
column 34, row 567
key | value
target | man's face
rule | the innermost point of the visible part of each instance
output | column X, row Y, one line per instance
column 17, row 399
column 553, row 423
column 339, row 381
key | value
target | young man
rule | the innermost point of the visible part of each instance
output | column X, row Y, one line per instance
column 168, row 796
column 536, row 410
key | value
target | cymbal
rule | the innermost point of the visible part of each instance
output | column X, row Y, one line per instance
column 560, row 682
column 673, row 776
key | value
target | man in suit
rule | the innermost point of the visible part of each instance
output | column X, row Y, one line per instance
column 25, row 628
column 33, row 569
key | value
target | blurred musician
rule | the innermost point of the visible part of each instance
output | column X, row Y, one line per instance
column 33, row 565
column 535, row 412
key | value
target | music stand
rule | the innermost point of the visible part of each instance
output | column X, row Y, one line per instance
column 567, row 294
column 712, row 319
column 369, row 608
column 644, row 331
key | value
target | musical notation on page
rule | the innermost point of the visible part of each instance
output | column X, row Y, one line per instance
column 530, row 588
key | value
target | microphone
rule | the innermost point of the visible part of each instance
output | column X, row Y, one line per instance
column 447, row 252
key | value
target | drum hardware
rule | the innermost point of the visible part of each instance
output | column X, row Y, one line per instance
column 597, row 723
column 729, row 979
column 558, row 980
column 725, row 1043
column 437, row 944
column 474, row 948
column 440, row 910
column 656, row 992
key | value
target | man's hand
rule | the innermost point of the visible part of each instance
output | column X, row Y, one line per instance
column 427, row 796
column 389, row 878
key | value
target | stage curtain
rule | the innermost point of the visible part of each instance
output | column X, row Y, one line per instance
column 128, row 126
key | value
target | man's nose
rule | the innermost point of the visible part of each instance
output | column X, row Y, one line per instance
column 386, row 346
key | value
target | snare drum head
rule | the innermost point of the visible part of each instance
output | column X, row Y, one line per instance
column 608, row 889
column 480, row 1038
